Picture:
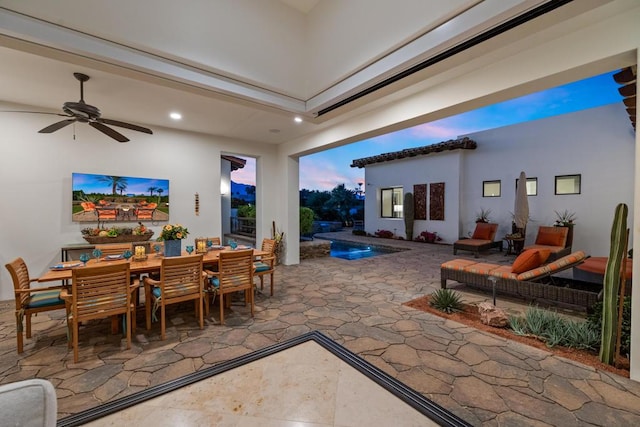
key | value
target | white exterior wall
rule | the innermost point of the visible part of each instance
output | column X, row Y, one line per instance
column 597, row 143
column 36, row 169
column 225, row 197
column 441, row 167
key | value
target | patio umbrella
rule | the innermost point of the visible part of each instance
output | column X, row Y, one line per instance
column 521, row 209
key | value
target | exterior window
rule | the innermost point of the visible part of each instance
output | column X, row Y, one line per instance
column 532, row 186
column 391, row 202
column 491, row 189
column 568, row 184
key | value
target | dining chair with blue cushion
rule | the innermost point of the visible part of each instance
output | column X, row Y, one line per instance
column 98, row 292
column 235, row 274
column 266, row 265
column 30, row 300
column 181, row 279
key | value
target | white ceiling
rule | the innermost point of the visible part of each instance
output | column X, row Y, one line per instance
column 240, row 69
column 303, row 6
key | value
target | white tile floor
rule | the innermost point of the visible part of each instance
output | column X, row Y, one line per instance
column 305, row 385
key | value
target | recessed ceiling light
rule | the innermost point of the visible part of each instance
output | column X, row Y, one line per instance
column 175, row 116
column 298, row 119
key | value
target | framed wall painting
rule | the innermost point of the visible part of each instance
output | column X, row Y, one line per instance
column 110, row 199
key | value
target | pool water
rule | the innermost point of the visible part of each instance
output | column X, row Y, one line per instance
column 349, row 250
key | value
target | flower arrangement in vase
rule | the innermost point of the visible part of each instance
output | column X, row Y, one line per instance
column 172, row 234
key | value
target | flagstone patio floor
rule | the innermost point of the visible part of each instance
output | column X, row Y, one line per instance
column 480, row 377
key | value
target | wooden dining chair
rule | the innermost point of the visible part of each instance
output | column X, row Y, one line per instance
column 181, row 279
column 235, row 273
column 266, row 265
column 30, row 300
column 214, row 240
column 114, row 248
column 98, row 292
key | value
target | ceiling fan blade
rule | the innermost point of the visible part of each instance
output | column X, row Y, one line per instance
column 109, row 132
column 35, row 112
column 125, row 125
column 59, row 125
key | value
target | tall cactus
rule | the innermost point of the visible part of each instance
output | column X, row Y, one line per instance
column 611, row 283
column 408, row 215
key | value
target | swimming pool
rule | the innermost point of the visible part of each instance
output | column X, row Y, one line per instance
column 350, row 250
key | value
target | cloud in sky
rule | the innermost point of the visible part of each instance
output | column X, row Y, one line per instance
column 327, row 169
column 246, row 175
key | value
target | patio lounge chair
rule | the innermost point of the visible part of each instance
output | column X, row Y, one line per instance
column 481, row 240
column 554, row 239
column 533, row 284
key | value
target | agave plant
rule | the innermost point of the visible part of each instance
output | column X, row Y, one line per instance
column 446, row 300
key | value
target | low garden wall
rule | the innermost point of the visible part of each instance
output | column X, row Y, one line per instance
column 315, row 249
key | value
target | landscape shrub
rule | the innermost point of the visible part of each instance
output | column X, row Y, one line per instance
column 556, row 330
column 446, row 300
column 385, row 234
column 595, row 320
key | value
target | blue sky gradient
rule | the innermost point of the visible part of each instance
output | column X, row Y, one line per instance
column 325, row 170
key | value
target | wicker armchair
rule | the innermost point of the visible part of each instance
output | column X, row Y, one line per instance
column 554, row 239
column 481, row 240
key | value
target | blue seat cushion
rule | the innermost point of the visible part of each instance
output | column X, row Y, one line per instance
column 261, row 266
column 44, row 299
column 156, row 292
column 215, row 282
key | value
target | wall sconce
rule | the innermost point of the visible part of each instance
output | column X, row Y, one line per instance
column 224, row 188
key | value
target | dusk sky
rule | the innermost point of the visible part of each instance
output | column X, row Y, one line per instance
column 325, row 170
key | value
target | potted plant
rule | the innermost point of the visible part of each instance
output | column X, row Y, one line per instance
column 566, row 219
column 483, row 215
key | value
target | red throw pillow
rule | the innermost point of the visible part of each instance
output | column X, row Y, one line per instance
column 550, row 238
column 482, row 231
column 527, row 260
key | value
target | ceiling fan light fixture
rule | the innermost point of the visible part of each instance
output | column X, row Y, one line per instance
column 84, row 113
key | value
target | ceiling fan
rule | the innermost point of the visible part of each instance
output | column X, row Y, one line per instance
column 85, row 113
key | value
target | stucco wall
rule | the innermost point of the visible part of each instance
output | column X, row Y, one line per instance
column 441, row 167
column 597, row 143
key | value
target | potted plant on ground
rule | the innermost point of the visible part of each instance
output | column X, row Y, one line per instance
column 483, row 215
column 566, row 219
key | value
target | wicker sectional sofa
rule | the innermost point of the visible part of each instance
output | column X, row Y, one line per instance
column 533, row 285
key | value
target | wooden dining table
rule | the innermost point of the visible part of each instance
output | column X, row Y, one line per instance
column 151, row 264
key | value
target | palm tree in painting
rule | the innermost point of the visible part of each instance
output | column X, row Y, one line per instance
column 114, row 181
column 159, row 191
column 151, row 190
column 121, row 187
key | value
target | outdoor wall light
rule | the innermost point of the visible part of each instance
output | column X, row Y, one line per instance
column 224, row 188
